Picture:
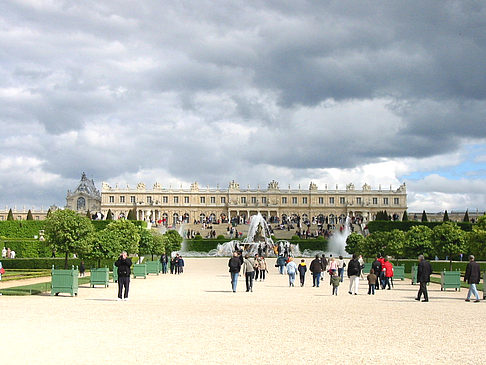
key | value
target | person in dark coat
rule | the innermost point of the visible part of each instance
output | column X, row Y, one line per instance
column 163, row 261
column 323, row 266
column 315, row 268
column 302, row 270
column 234, row 265
column 377, row 268
column 473, row 277
column 423, row 277
column 82, row 268
column 123, row 264
column 354, row 272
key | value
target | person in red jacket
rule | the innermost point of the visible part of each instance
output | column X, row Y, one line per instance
column 381, row 275
column 388, row 267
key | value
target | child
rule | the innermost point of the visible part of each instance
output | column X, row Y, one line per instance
column 335, row 280
column 302, row 269
column 371, row 282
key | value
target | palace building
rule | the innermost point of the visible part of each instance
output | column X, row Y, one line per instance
column 171, row 206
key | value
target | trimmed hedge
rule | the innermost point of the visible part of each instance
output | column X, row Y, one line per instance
column 29, row 229
column 27, row 247
column 206, row 245
column 46, row 263
column 437, row 266
column 386, row 226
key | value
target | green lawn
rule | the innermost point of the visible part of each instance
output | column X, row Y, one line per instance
column 19, row 274
column 35, row 289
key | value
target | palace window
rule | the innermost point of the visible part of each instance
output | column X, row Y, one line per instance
column 132, row 199
column 385, row 201
column 321, row 200
column 203, row 200
column 122, row 199
column 396, row 201
column 213, row 200
column 253, row 200
column 358, row 200
column 165, row 199
column 264, row 199
column 112, row 198
column 149, row 199
column 243, row 200
column 375, row 201
column 223, row 200
column 331, row 200
column 304, row 200
column 176, row 200
column 294, row 200
column 186, row 200
column 284, row 200
column 342, row 200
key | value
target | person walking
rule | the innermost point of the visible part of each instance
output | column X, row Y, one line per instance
column 249, row 272
column 388, row 273
column 315, row 268
column 2, row 270
column 262, row 267
column 371, row 282
column 302, row 268
column 281, row 264
column 354, row 272
column 423, row 277
column 256, row 267
column 234, row 265
column 376, row 266
column 82, row 268
column 163, row 261
column 472, row 277
column 123, row 264
column 291, row 271
column 335, row 281
column 341, row 265
column 323, row 266
column 180, row 265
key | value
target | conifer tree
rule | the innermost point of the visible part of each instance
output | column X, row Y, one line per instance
column 446, row 217
column 405, row 216
column 88, row 214
column 466, row 217
column 29, row 216
column 10, row 216
column 109, row 215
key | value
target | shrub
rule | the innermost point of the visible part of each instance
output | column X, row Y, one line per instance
column 46, row 263
column 220, row 237
column 386, row 226
column 27, row 247
column 21, row 229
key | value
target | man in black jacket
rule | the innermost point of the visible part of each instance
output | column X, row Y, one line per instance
column 316, row 269
column 423, row 277
column 123, row 264
column 473, row 277
column 234, row 265
column 376, row 266
column 354, row 272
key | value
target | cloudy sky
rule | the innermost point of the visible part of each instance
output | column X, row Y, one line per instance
column 382, row 92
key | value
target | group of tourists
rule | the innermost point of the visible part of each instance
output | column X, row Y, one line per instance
column 7, row 253
column 253, row 269
column 176, row 265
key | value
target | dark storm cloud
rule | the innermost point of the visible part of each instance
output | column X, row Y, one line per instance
column 213, row 89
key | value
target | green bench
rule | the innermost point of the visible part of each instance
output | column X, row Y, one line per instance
column 367, row 268
column 450, row 280
column 64, row 281
column 115, row 273
column 414, row 274
column 99, row 276
column 140, row 270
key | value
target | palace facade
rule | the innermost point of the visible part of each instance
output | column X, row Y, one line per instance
column 173, row 206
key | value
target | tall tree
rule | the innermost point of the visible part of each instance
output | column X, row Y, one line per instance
column 132, row 214
column 88, row 214
column 126, row 233
column 424, row 217
column 446, row 217
column 151, row 242
column 448, row 240
column 68, row 232
column 466, row 217
column 477, row 238
column 174, row 241
column 10, row 216
column 29, row 216
column 109, row 215
column 405, row 216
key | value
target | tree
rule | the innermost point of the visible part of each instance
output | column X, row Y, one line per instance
column 88, row 214
column 106, row 245
column 394, row 244
column 126, row 234
column 68, row 232
column 10, row 216
column 152, row 242
column 446, row 217
column 424, row 217
column 405, row 216
column 48, row 213
column 418, row 242
column 448, row 240
column 375, row 244
column 132, row 214
column 109, row 215
column 382, row 215
column 29, row 216
column 477, row 238
column 174, row 241
column 466, row 217
column 354, row 243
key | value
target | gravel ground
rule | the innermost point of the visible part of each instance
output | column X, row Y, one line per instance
column 196, row 317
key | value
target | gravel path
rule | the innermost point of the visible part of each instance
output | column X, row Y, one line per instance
column 196, row 317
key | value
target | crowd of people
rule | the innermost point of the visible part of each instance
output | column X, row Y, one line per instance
column 7, row 253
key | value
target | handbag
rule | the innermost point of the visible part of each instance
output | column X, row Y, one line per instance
column 2, row 271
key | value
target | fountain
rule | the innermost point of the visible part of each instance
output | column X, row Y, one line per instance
column 337, row 242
